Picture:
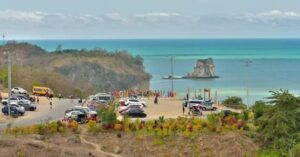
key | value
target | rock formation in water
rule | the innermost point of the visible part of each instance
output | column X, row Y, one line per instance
column 204, row 68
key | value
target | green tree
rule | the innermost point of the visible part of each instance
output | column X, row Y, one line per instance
column 234, row 102
column 280, row 124
column 259, row 108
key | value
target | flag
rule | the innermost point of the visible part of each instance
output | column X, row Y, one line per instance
column 206, row 90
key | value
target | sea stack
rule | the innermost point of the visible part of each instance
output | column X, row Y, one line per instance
column 204, row 68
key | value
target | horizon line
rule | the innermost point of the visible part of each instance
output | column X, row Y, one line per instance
column 217, row 38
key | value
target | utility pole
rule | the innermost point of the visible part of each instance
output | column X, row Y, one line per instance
column 172, row 75
column 247, row 81
column 9, row 74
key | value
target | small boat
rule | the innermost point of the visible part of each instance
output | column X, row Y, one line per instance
column 172, row 77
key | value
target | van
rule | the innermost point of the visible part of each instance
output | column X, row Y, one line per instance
column 42, row 91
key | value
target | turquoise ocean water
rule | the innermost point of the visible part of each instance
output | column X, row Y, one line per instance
column 274, row 63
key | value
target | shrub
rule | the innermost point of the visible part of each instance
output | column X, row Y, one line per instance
column 21, row 153
column 40, row 129
column 213, row 119
column 108, row 117
column 234, row 102
column 280, row 123
column 295, row 152
column 230, row 120
column 74, row 125
column 62, row 127
column 15, row 131
column 53, row 127
column 93, row 127
column 259, row 108
column 118, row 127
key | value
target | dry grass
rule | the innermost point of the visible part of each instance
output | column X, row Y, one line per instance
column 217, row 145
column 230, row 144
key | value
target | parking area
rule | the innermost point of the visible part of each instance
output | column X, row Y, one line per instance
column 42, row 113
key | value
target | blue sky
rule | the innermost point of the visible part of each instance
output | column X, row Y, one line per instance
column 100, row 19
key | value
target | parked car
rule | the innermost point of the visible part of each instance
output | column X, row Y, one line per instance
column 20, row 110
column 130, row 100
column 122, row 109
column 86, row 109
column 76, row 115
column 192, row 103
column 12, row 100
column 21, row 96
column 208, row 106
column 134, row 111
column 27, row 106
column 13, row 110
column 101, row 98
column 18, row 90
column 24, row 97
column 15, row 100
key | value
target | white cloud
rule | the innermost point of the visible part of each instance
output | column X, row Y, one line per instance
column 24, row 16
column 158, row 14
column 158, row 18
column 277, row 14
column 116, row 17
column 115, row 24
column 274, row 15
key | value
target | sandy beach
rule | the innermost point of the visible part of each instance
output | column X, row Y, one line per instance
column 172, row 108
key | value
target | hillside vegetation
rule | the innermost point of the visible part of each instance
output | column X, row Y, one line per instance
column 71, row 71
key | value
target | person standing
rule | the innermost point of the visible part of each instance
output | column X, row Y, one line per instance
column 183, row 109
column 71, row 97
column 38, row 100
column 59, row 96
column 156, row 100
column 47, row 94
column 51, row 105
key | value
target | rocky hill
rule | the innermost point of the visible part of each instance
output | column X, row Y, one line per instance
column 204, row 68
column 77, row 72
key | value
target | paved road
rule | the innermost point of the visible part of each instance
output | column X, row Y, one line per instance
column 44, row 112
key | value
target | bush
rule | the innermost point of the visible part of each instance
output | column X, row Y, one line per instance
column 234, row 102
column 213, row 119
column 259, row 108
column 280, row 123
column 40, row 129
column 108, row 117
column 93, row 127
column 74, row 126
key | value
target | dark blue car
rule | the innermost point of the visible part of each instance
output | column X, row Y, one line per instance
column 13, row 110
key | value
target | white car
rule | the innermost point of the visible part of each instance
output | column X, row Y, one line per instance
column 73, row 114
column 100, row 98
column 122, row 109
column 196, row 103
column 18, row 90
column 15, row 100
column 133, row 100
column 88, row 110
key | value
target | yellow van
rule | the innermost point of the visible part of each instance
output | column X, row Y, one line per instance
column 42, row 91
